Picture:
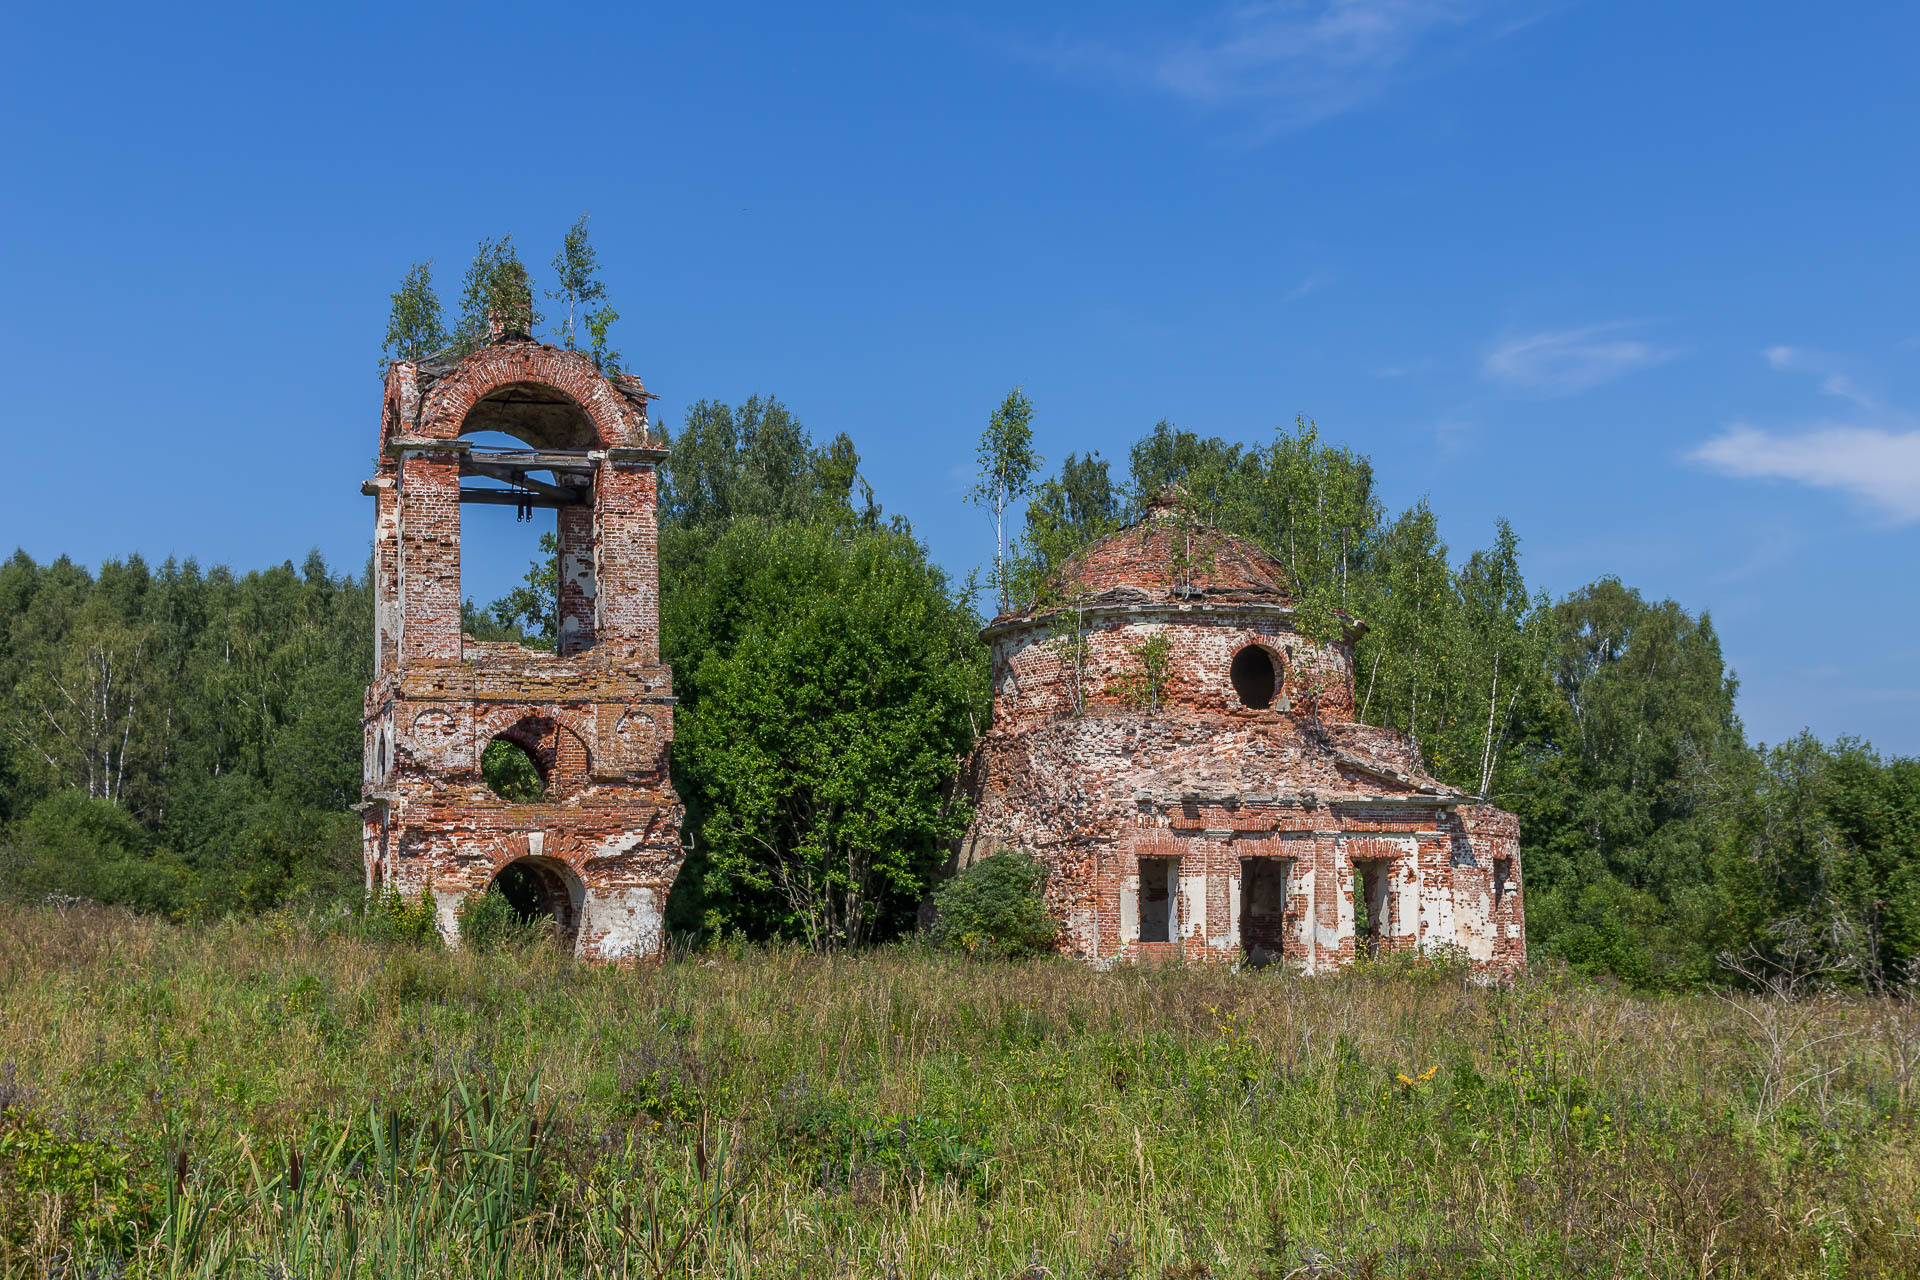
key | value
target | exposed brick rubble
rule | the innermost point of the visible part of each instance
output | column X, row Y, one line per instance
column 1257, row 819
column 602, row 846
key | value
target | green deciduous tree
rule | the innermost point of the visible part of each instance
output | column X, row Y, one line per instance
column 1818, row 866
column 576, row 276
column 757, row 462
column 416, row 328
column 1007, row 465
column 1065, row 513
column 217, row 713
column 996, row 907
column 498, row 289
column 1617, row 823
column 829, row 685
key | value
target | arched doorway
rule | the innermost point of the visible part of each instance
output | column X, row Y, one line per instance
column 543, row 889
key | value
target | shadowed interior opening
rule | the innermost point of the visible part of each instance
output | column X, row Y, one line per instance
column 538, row 892
column 1253, row 677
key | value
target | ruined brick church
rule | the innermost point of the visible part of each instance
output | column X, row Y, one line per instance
column 1178, row 753
column 598, row 849
column 1185, row 763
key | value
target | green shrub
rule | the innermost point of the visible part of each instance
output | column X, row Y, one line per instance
column 489, row 923
column 70, row 846
column 995, row 907
column 390, row 917
column 87, row 1181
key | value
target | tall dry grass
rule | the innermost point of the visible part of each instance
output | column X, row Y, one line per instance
column 269, row 1097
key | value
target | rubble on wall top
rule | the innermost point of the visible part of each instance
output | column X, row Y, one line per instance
column 1164, row 558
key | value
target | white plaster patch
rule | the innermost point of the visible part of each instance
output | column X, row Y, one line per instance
column 627, row 922
column 446, row 914
column 1232, row 937
column 614, row 846
column 1193, row 906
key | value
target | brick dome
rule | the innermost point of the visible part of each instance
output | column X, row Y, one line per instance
column 1167, row 556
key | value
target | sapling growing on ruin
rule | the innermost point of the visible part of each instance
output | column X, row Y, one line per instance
column 577, row 269
column 415, row 326
column 497, row 291
column 1007, row 466
column 1144, row 685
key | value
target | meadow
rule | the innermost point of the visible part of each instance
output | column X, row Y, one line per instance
column 280, row 1096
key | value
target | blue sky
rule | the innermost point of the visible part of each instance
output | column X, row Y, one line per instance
column 1641, row 278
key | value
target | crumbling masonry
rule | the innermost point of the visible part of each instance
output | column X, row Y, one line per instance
column 1232, row 807
column 599, row 850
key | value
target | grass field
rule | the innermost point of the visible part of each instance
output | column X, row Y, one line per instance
column 264, row 1099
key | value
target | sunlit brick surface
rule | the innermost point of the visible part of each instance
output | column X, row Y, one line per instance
column 596, row 718
column 1271, row 821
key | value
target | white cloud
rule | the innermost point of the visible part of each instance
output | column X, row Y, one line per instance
column 1297, row 61
column 1832, row 380
column 1875, row 461
column 1878, row 466
column 1570, row 361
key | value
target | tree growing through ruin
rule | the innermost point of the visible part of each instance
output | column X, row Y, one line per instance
column 496, row 290
column 1007, row 467
column 576, row 272
column 416, row 328
column 576, row 269
column 1072, row 648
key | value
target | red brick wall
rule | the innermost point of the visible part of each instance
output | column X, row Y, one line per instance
column 597, row 716
column 626, row 540
column 429, row 555
column 1203, row 778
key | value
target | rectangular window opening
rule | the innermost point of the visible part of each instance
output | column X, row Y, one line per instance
column 1263, row 910
column 1371, row 907
column 1502, row 880
column 1159, row 877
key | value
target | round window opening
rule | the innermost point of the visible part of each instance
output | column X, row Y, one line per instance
column 1253, row 677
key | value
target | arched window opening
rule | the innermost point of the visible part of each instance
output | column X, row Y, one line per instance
column 529, row 581
column 539, row 889
column 511, row 772
column 1254, row 678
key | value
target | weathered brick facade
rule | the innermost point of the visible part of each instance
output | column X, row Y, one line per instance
column 1242, row 810
column 600, row 849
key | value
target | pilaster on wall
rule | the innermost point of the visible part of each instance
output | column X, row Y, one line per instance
column 429, row 537
column 626, row 547
column 577, row 586
column 386, row 573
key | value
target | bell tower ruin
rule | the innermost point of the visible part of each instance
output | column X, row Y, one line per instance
column 598, row 849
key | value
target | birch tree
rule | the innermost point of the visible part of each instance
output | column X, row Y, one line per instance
column 1007, row 467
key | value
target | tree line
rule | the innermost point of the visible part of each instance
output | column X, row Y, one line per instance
column 187, row 741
